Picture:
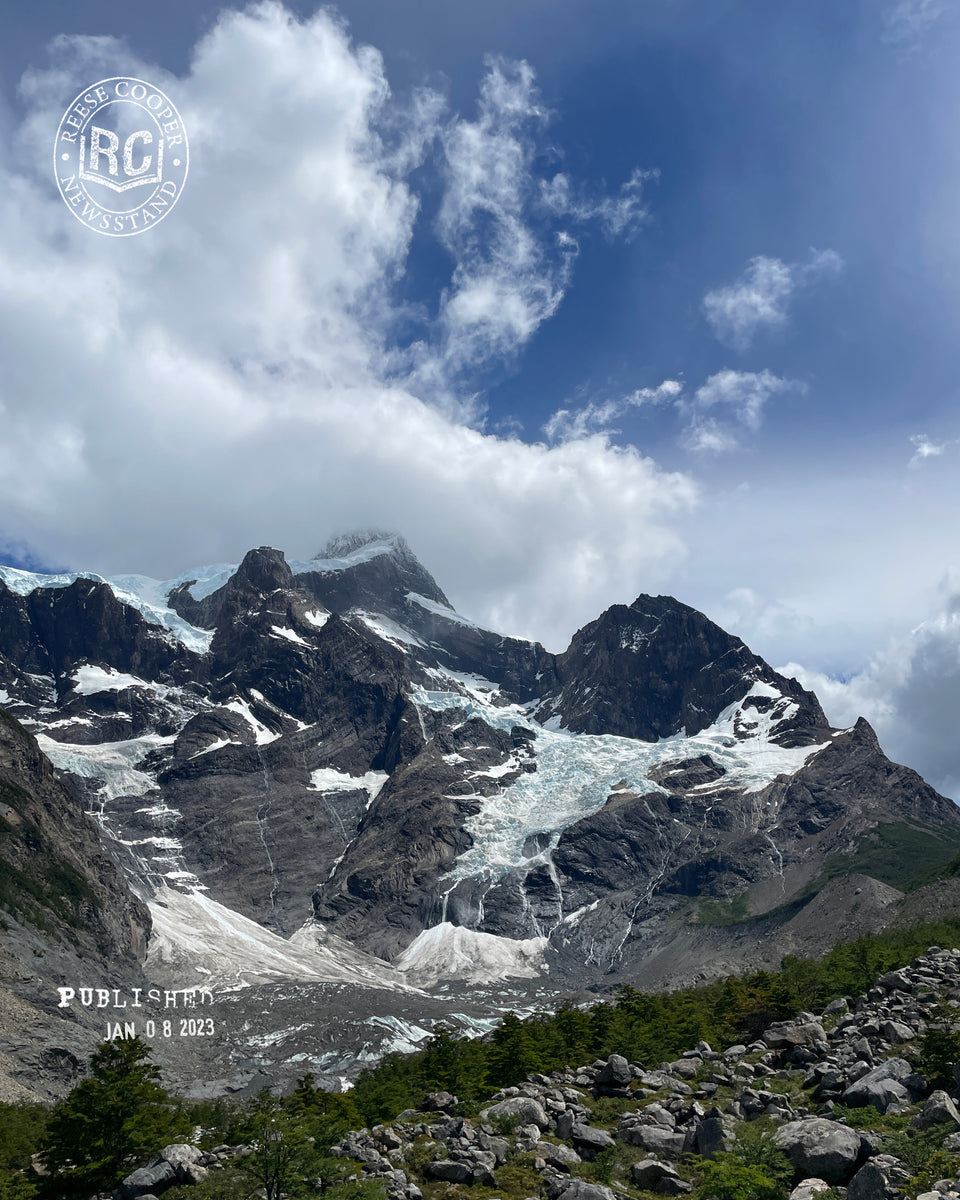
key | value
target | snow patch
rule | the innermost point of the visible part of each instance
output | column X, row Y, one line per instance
column 326, row 779
column 235, row 952
column 147, row 596
column 451, row 952
column 316, row 618
column 87, row 681
column 283, row 632
column 389, row 630
column 263, row 735
column 439, row 610
column 362, row 554
column 115, row 763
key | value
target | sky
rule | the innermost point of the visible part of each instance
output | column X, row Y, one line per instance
column 585, row 299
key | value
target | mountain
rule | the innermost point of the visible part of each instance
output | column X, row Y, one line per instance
column 319, row 775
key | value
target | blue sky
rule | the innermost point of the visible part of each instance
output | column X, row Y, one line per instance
column 587, row 299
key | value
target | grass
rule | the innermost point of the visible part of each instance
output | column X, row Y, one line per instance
column 890, row 853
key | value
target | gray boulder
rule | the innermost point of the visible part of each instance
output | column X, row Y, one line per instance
column 786, row 1035
column 881, row 1087
column 807, row 1189
column 579, row 1189
column 821, row 1148
column 449, row 1172
column 712, row 1137
column 666, row 1143
column 562, row 1157
column 527, row 1111
column 155, row 1178
column 938, row 1110
column 616, row 1072
column 589, row 1141
column 879, row 1179
column 187, row 1162
column 654, row 1176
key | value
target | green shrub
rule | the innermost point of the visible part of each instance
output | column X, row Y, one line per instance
column 728, row 1177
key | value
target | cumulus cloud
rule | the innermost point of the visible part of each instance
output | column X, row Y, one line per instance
column 910, row 693
column 741, row 394
column 760, row 297
column 235, row 376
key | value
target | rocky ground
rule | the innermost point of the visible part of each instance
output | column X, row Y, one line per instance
column 840, row 1093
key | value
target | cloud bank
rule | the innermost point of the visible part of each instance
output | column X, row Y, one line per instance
column 910, row 693
column 253, row 371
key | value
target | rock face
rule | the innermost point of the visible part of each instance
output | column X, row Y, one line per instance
column 655, row 667
column 329, row 741
column 66, row 915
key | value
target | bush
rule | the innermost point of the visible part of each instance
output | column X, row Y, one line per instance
column 728, row 1177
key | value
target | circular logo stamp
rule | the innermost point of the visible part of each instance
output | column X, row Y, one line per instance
column 121, row 156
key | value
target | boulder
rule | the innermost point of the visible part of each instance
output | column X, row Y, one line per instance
column 667, row 1143
column 449, row 1172
column 579, row 1189
column 938, row 1110
column 439, row 1102
column 615, row 1072
column 654, row 1176
column 526, row 1110
column 187, row 1162
column 806, row 1189
column 562, row 1157
column 786, row 1035
column 712, row 1137
column 820, row 1148
column 879, row 1179
column 152, row 1179
column 881, row 1087
column 589, row 1141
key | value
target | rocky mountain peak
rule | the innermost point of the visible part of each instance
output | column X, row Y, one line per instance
column 372, row 571
column 263, row 570
column 657, row 666
column 343, row 544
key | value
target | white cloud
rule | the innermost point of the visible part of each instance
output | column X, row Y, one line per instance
column 924, row 448
column 760, row 297
column 741, row 393
column 567, row 424
column 908, row 20
column 618, row 216
column 910, row 693
column 231, row 378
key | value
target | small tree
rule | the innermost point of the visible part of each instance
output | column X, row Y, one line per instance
column 282, row 1153
column 110, row 1123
